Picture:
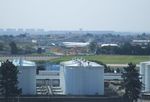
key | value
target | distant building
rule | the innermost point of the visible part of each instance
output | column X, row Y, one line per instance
column 1, row 31
column 40, row 31
column 31, row 31
column 79, row 77
column 20, row 31
column 10, row 31
column 140, row 42
column 34, row 41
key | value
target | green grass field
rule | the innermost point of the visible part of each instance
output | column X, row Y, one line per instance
column 108, row 59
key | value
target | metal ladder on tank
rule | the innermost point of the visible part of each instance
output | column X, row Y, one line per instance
column 49, row 88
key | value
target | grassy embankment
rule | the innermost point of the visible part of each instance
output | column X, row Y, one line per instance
column 108, row 59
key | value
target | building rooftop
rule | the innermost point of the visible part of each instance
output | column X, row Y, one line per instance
column 80, row 62
column 145, row 62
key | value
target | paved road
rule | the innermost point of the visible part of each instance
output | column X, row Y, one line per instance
column 143, row 100
column 3, row 58
column 120, row 65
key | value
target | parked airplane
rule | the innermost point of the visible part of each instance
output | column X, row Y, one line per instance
column 76, row 44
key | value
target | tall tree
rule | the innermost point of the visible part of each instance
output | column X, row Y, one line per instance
column 93, row 47
column 13, row 46
column 39, row 50
column 1, row 46
column 131, row 83
column 8, row 79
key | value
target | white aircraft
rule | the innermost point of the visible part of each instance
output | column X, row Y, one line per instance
column 76, row 44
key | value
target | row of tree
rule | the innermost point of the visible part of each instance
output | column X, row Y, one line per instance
column 14, row 49
column 124, row 49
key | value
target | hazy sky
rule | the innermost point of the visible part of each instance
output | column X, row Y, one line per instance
column 118, row 15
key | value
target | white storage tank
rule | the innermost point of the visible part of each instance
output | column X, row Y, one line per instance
column 145, row 73
column 80, row 77
column 147, row 78
column 26, row 76
column 142, row 71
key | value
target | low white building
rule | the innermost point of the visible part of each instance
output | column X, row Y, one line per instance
column 48, row 82
column 50, row 78
column 26, row 76
column 145, row 74
column 79, row 77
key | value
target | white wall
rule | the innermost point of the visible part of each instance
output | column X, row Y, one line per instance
column 47, row 75
column 112, row 76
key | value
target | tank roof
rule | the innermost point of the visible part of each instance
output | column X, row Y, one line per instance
column 20, row 62
column 79, row 62
column 145, row 62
